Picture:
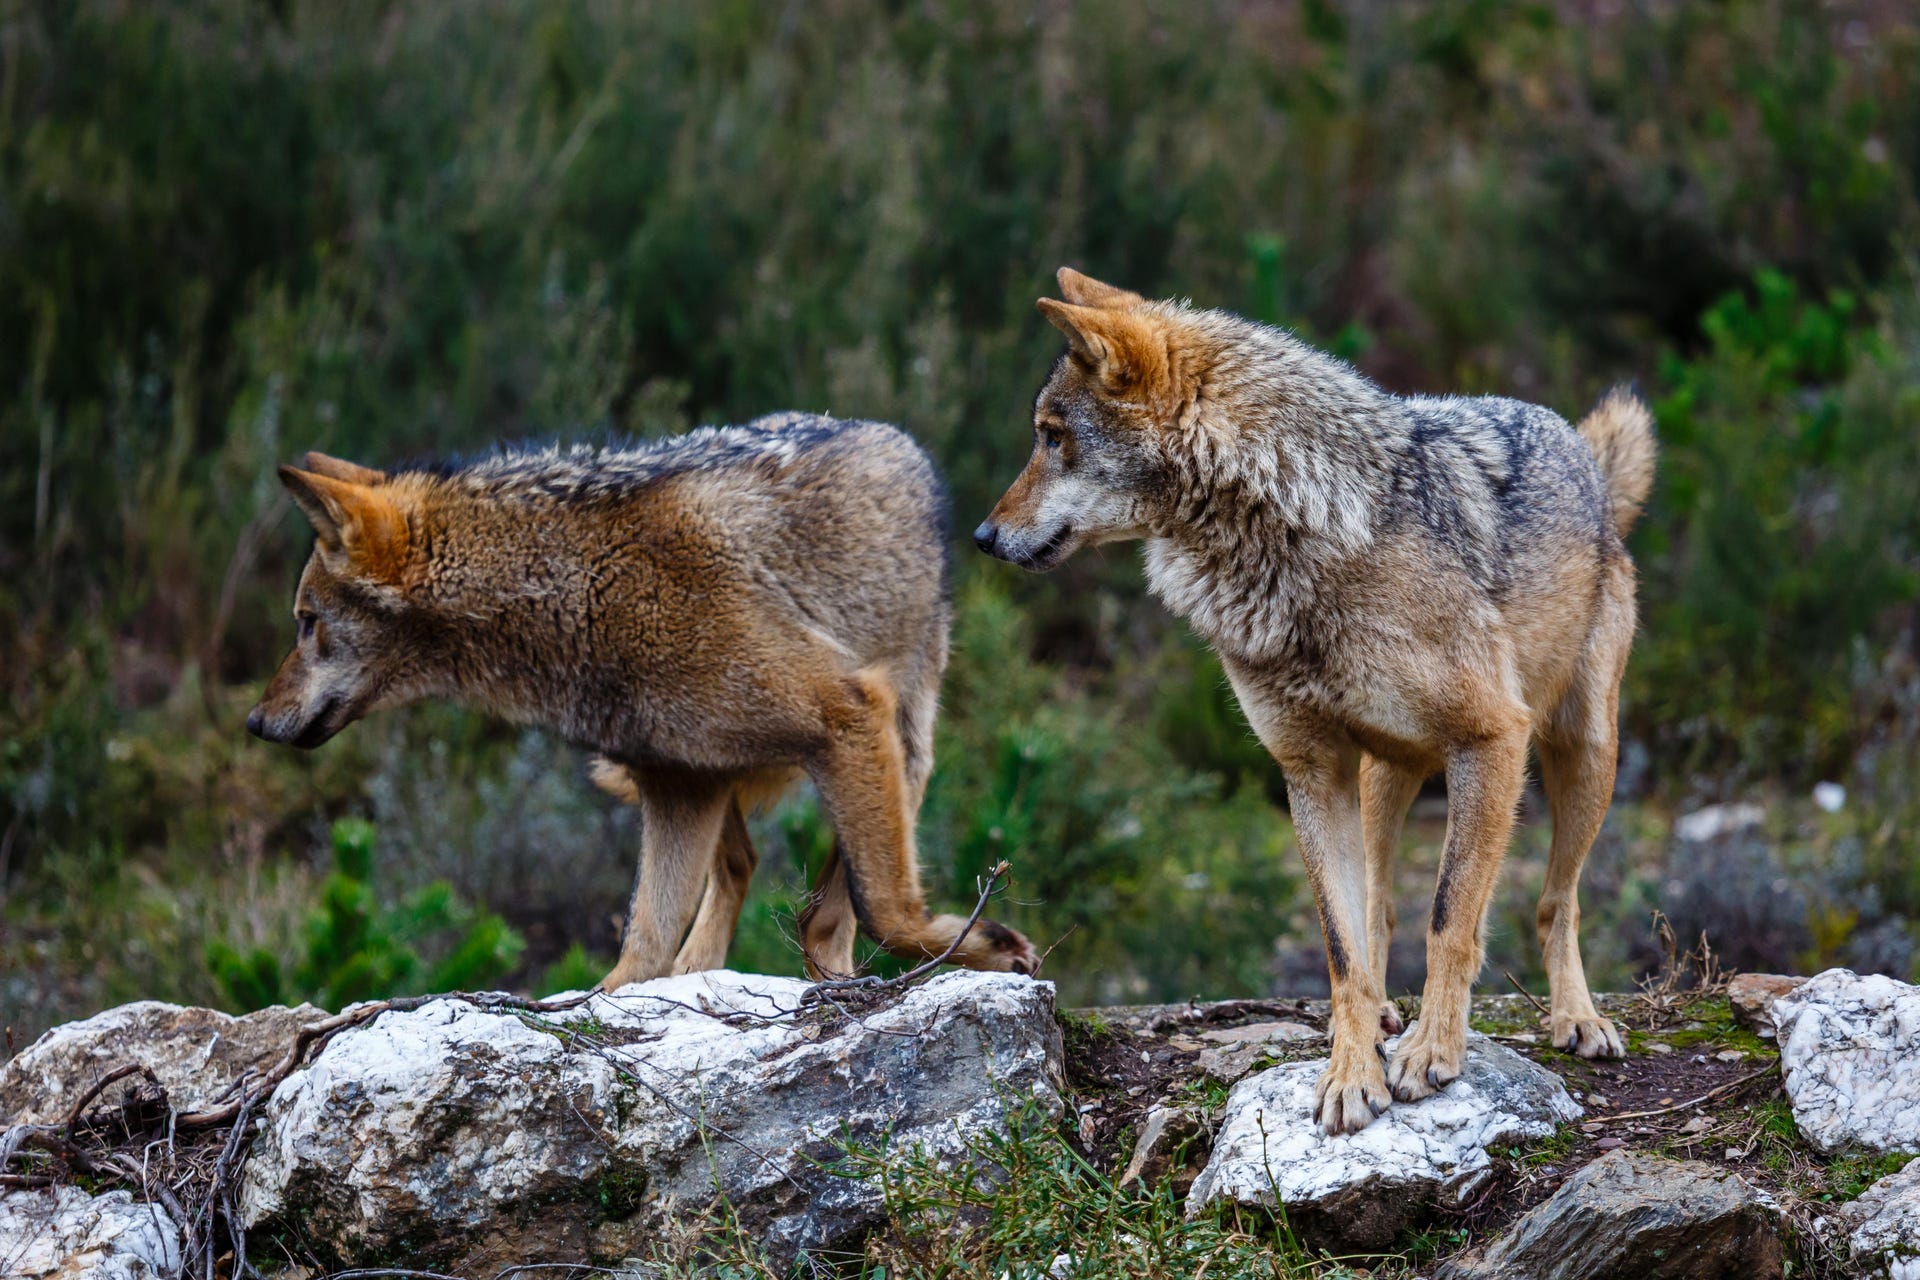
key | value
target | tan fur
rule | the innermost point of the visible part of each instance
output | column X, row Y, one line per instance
column 1085, row 291
column 1619, row 430
column 714, row 615
column 1396, row 588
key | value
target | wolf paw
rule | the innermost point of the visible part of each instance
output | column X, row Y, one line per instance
column 1351, row 1092
column 1422, row 1065
column 1590, row 1037
column 1390, row 1024
column 1011, row 952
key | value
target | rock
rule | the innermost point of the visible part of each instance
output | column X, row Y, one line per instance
column 1173, row 1141
column 1358, row 1191
column 1847, row 1047
column 196, row 1053
column 1752, row 996
column 64, row 1233
column 1233, row 1051
column 1633, row 1216
column 1882, row 1227
column 462, row 1139
column 1717, row 820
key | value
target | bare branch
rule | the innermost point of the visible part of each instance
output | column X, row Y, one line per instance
column 874, row 985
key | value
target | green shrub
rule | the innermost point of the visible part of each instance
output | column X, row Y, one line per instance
column 1783, row 541
column 357, row 949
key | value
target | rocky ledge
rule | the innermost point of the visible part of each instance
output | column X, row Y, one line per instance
column 463, row 1137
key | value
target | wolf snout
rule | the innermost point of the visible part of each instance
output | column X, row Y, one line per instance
column 257, row 722
column 986, row 535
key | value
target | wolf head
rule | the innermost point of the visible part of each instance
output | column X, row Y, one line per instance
column 1099, row 471
column 351, row 655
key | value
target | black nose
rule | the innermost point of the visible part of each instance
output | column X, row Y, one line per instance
column 985, row 536
column 256, row 722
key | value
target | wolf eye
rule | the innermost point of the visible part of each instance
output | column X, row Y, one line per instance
column 306, row 621
column 1051, row 436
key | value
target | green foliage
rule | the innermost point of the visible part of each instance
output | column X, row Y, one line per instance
column 356, row 949
column 231, row 232
column 1147, row 880
column 1039, row 1200
column 574, row 971
column 1785, row 538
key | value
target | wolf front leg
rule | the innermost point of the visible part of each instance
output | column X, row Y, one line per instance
column 1386, row 791
column 682, row 815
column 1324, row 793
column 1484, row 780
column 860, row 771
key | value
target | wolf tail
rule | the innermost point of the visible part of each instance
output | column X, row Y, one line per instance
column 754, row 791
column 1619, row 430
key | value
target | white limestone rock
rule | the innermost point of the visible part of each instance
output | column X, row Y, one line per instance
column 62, row 1233
column 1233, row 1051
column 1848, row 1048
column 1358, row 1190
column 467, row 1140
column 1882, row 1227
column 195, row 1053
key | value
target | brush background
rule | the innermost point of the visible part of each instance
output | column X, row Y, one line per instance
column 230, row 232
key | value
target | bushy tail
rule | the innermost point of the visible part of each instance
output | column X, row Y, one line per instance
column 1619, row 430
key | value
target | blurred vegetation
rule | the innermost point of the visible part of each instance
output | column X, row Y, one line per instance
column 230, row 232
column 357, row 949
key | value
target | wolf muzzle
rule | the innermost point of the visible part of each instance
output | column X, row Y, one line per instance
column 1017, row 548
column 306, row 736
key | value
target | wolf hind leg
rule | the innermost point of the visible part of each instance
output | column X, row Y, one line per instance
column 734, row 860
column 682, row 815
column 861, row 774
column 828, row 925
column 1386, row 792
column 1578, row 754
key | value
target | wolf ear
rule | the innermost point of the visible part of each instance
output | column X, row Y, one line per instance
column 362, row 531
column 340, row 469
column 1085, row 291
column 1128, row 350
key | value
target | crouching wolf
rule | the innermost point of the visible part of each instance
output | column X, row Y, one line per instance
column 712, row 614
column 1396, row 588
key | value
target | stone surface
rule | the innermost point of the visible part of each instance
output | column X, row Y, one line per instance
column 1630, row 1216
column 1231, row 1052
column 62, row 1233
column 196, row 1053
column 1357, row 1191
column 1848, row 1048
column 1882, row 1227
column 1173, row 1142
column 463, row 1139
column 1752, row 996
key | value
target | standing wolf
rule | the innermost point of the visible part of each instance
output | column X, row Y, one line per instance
column 1396, row 588
column 711, row 614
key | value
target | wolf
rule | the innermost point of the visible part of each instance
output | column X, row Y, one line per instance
column 714, row 615
column 1396, row 587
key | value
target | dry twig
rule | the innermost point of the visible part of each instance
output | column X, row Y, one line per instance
column 873, row 985
column 1531, row 998
column 1668, row 992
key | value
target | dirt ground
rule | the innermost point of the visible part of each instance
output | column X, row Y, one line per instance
column 1694, row 1084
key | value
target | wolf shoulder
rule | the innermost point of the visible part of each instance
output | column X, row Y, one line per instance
column 829, row 486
